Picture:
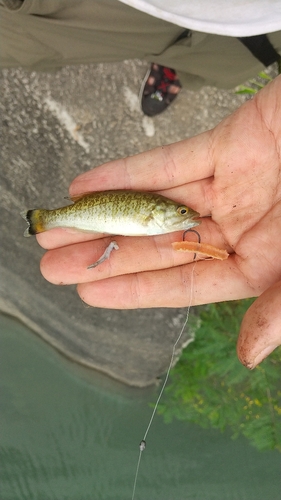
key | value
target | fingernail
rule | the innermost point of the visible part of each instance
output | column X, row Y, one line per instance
column 262, row 355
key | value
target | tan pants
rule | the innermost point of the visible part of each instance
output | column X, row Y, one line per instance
column 51, row 34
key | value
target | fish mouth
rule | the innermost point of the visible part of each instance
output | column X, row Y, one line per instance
column 192, row 219
column 193, row 216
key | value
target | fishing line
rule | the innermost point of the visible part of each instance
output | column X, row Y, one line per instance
column 143, row 441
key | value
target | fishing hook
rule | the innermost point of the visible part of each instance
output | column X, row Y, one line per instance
column 192, row 231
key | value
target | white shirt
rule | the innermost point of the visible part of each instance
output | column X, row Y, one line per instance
column 236, row 18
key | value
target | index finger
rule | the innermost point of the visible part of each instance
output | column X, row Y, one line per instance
column 161, row 168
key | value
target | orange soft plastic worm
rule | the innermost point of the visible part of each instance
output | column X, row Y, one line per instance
column 202, row 248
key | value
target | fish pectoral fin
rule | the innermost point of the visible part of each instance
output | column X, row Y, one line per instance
column 153, row 225
column 146, row 220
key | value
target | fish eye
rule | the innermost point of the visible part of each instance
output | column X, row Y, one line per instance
column 182, row 210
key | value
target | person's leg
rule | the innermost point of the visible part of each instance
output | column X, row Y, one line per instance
column 220, row 61
column 199, row 59
column 48, row 35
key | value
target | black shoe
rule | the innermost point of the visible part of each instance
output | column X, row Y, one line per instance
column 155, row 92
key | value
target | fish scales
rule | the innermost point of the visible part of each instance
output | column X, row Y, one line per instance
column 110, row 213
column 127, row 213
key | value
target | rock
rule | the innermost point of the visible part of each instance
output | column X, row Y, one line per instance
column 56, row 126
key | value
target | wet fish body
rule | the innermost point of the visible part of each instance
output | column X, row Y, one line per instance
column 126, row 213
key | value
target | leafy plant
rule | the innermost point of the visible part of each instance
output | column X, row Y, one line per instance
column 210, row 387
column 255, row 84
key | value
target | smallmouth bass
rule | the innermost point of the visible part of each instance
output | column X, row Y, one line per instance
column 124, row 213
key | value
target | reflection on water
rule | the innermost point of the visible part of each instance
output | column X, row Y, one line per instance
column 67, row 433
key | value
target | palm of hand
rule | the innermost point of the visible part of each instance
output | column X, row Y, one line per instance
column 245, row 194
column 232, row 173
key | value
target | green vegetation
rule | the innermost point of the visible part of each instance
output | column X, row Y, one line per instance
column 210, row 387
column 255, row 84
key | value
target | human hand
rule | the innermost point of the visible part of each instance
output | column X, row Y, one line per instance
column 231, row 173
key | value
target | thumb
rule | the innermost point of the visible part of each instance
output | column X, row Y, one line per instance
column 260, row 331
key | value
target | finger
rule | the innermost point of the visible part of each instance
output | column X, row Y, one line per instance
column 59, row 237
column 213, row 281
column 269, row 105
column 68, row 265
column 193, row 195
column 260, row 331
column 153, row 170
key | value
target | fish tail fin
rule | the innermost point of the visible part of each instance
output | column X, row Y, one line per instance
column 35, row 221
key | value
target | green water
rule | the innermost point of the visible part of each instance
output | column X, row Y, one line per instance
column 67, row 433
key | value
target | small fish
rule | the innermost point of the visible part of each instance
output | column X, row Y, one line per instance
column 125, row 213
